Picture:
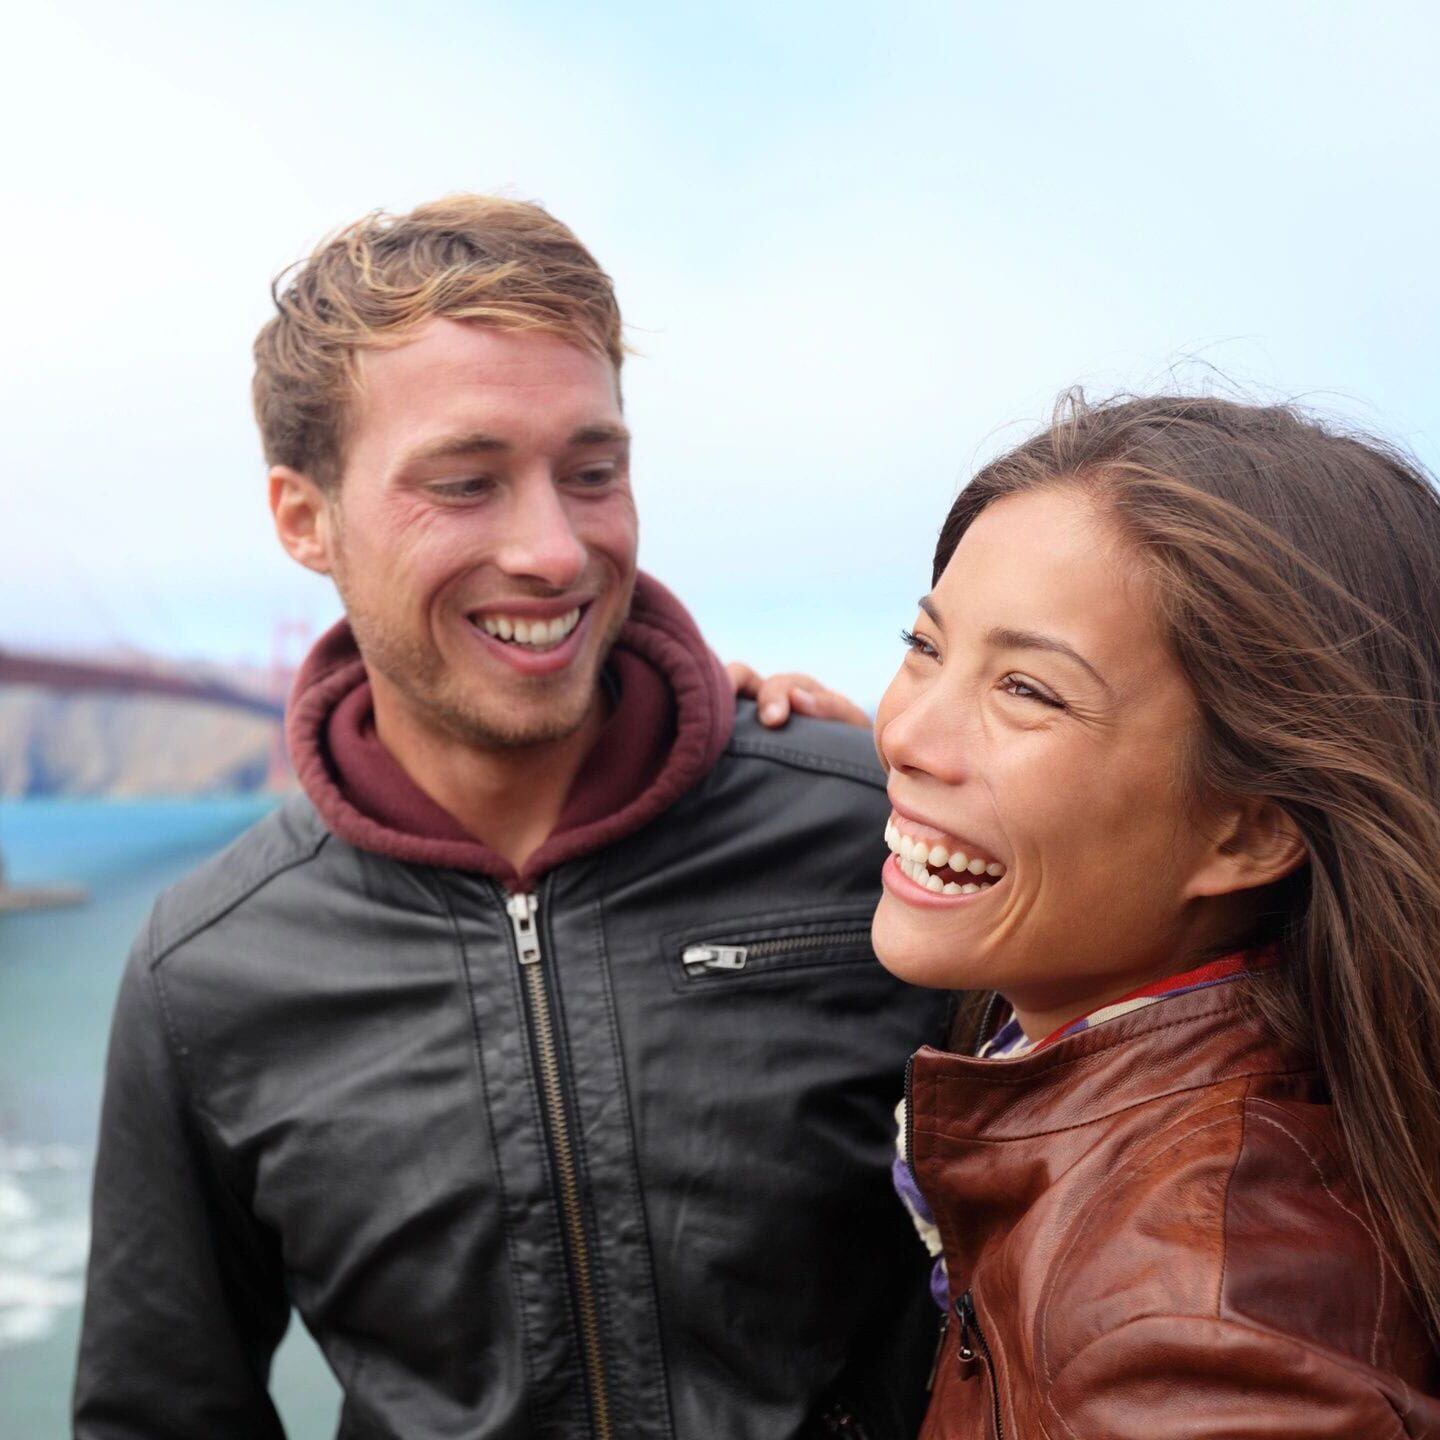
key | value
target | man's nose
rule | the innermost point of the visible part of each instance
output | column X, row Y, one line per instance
column 540, row 542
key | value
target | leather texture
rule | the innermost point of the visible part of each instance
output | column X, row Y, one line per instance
column 1160, row 1238
column 323, row 1089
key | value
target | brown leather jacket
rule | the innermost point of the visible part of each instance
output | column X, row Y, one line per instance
column 1151, row 1233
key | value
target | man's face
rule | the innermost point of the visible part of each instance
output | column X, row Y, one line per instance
column 483, row 534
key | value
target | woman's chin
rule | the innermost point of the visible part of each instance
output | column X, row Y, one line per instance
column 920, row 948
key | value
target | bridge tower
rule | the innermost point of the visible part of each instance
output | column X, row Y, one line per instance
column 289, row 642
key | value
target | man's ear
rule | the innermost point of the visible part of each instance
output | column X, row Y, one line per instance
column 303, row 518
column 1256, row 842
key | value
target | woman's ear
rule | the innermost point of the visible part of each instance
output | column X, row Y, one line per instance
column 1256, row 842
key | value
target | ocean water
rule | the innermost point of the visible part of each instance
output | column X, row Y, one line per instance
column 59, row 970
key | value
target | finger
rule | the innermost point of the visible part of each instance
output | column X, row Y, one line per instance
column 772, row 700
column 828, row 705
column 745, row 680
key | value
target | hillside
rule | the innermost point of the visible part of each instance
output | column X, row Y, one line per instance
column 113, row 746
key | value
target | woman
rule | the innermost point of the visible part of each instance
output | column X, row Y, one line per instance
column 1164, row 757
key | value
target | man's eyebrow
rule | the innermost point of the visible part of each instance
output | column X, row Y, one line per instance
column 480, row 442
column 603, row 434
column 473, row 442
column 1005, row 639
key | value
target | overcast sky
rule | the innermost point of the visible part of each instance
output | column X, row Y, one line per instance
column 859, row 247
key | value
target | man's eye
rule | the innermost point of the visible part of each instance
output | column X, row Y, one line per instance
column 471, row 488
column 1024, row 689
column 917, row 643
column 594, row 475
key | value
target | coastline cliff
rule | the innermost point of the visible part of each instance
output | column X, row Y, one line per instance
column 121, row 747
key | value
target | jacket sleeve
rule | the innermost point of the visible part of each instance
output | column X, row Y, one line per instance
column 1191, row 1378
column 185, row 1300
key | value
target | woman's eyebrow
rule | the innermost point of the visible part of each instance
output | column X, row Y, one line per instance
column 928, row 606
column 1003, row 638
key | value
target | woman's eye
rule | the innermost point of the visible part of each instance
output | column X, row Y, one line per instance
column 917, row 643
column 1024, row 689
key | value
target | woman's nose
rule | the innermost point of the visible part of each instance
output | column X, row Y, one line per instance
column 927, row 734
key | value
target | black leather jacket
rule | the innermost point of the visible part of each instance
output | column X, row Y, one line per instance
column 607, row 1160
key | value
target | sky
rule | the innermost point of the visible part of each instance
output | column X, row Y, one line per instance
column 860, row 248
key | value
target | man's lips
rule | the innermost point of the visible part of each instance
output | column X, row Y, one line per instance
column 535, row 637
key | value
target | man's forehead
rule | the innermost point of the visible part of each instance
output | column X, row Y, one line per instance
column 469, row 352
column 452, row 380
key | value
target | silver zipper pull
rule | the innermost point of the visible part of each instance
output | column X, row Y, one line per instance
column 714, row 957
column 521, row 909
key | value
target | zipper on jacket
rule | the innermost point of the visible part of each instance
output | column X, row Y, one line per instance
column 709, row 955
column 972, row 1339
column 839, row 1419
column 910, row 1122
column 522, row 911
column 939, row 1351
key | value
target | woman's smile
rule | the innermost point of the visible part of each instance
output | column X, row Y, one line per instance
column 929, row 866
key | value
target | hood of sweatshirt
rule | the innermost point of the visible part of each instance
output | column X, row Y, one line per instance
column 672, row 716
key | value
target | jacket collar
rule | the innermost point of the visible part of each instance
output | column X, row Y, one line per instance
column 988, row 1137
column 660, row 646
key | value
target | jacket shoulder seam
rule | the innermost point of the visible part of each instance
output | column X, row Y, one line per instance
column 231, row 900
column 1358, row 1219
column 1188, row 1131
column 804, row 760
column 1225, row 1199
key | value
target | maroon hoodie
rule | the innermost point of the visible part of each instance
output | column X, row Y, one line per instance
column 673, row 716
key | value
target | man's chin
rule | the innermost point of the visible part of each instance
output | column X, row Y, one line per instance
column 525, row 723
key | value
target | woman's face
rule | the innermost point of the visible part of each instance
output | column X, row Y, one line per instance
column 1035, row 738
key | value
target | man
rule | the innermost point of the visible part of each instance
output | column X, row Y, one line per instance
column 537, row 1054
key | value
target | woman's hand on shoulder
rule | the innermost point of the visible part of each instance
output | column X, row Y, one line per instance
column 777, row 696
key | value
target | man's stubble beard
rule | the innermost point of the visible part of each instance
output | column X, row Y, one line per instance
column 419, row 673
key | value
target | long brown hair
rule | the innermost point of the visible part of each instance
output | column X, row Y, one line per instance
column 1298, row 573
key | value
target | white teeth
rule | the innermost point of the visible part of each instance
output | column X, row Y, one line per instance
column 531, row 632
column 917, row 858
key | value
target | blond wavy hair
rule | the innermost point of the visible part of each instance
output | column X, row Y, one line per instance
column 499, row 262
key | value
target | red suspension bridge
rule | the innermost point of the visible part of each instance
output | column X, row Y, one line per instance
column 50, row 672
column 146, row 677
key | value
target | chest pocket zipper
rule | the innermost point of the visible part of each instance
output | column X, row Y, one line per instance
column 714, row 957
column 972, row 1346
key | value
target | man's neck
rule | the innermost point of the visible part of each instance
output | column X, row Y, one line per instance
column 509, row 797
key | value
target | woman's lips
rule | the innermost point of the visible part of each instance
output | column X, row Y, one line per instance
column 929, row 856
